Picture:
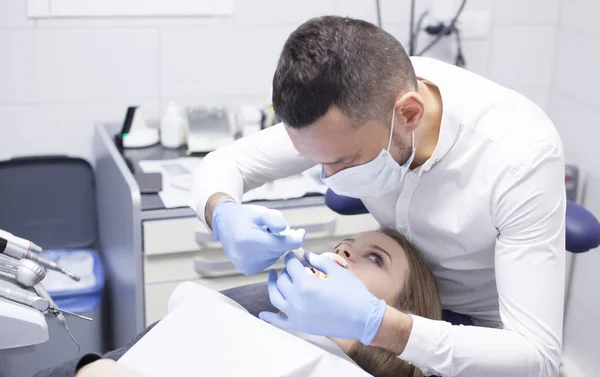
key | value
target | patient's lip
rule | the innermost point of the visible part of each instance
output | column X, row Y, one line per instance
column 337, row 259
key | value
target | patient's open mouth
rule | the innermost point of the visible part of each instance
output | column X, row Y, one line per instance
column 336, row 258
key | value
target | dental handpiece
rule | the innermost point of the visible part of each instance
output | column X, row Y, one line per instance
column 18, row 252
column 25, row 298
column 26, row 272
column 26, row 244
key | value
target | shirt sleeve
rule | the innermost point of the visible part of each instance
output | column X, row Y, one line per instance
column 529, row 209
column 245, row 164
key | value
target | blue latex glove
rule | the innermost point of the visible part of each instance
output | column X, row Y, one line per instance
column 339, row 307
column 248, row 235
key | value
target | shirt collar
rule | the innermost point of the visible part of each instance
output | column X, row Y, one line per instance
column 451, row 122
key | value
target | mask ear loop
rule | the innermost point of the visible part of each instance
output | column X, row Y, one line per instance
column 392, row 127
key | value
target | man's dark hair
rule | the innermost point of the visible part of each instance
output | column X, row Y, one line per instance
column 343, row 62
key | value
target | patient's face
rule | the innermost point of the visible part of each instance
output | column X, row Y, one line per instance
column 378, row 261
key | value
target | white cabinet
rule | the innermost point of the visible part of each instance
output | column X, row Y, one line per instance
column 183, row 249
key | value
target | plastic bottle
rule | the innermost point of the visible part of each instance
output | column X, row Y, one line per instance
column 172, row 128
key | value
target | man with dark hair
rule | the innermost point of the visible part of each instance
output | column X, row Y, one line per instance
column 471, row 172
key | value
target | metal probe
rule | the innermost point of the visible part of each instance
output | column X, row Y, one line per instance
column 34, row 301
column 60, row 318
column 19, row 252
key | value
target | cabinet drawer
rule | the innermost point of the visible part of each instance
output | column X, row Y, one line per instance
column 188, row 234
column 156, row 296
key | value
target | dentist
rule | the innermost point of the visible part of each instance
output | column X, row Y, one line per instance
column 471, row 172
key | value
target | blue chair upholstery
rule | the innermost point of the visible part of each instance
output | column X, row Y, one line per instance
column 583, row 229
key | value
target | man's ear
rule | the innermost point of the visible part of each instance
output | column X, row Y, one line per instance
column 411, row 108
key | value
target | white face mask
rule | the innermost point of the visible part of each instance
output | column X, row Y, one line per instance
column 373, row 179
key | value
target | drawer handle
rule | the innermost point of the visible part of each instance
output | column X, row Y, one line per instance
column 326, row 227
column 202, row 266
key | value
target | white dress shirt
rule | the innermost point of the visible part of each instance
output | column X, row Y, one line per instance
column 487, row 210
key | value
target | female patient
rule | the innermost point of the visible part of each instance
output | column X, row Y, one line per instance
column 389, row 266
column 393, row 270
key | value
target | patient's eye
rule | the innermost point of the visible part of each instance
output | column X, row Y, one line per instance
column 375, row 258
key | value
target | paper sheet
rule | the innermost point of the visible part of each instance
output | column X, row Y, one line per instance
column 206, row 336
column 177, row 176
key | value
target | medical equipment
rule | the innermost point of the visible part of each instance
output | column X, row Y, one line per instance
column 209, row 128
column 26, row 272
column 135, row 132
column 299, row 252
column 18, row 252
column 17, row 262
column 34, row 301
column 445, row 20
column 26, row 244
column 25, row 298
column 172, row 128
column 56, row 312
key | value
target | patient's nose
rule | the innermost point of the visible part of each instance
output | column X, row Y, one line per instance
column 344, row 253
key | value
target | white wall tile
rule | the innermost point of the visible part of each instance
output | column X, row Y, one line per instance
column 92, row 64
column 580, row 343
column 263, row 12
column 363, row 10
column 579, row 128
column 400, row 31
column 393, row 11
column 576, row 71
column 65, row 128
column 277, row 12
column 540, row 96
column 477, row 56
column 527, row 11
column 13, row 14
column 523, row 55
column 581, row 15
column 220, row 60
column 584, row 293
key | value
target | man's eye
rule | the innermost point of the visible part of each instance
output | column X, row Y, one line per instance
column 375, row 259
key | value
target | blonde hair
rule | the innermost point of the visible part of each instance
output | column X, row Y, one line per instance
column 419, row 296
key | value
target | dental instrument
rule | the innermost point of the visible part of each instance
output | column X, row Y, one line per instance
column 17, row 251
column 299, row 252
column 53, row 310
column 26, row 272
column 26, row 244
column 25, row 298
